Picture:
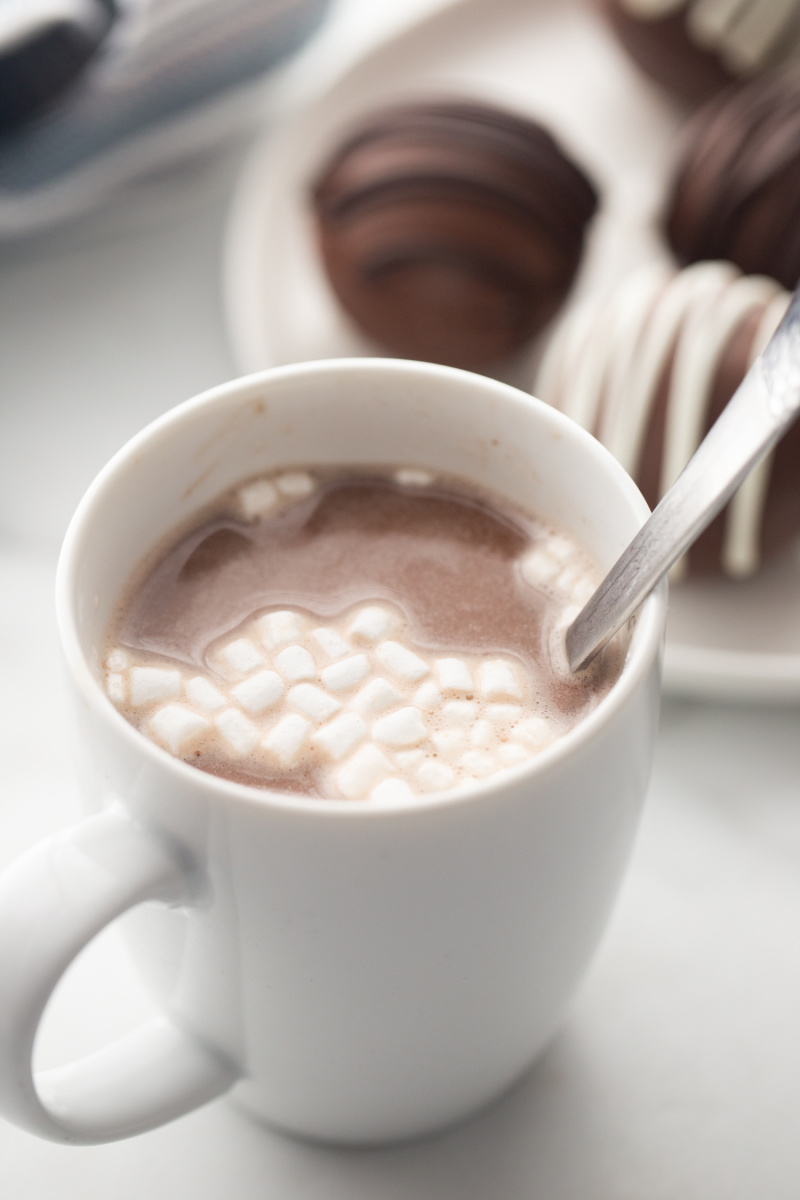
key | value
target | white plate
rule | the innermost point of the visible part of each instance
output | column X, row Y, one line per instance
column 558, row 63
column 737, row 641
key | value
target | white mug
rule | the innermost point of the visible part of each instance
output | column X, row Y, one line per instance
column 355, row 972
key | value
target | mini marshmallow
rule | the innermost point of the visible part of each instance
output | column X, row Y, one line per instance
column 116, row 688
column 242, row 656
column 313, row 702
column 296, row 664
column 295, row 484
column 347, row 674
column 286, row 739
column 362, row 772
column 482, row 734
column 176, row 726
column 511, row 753
column 450, row 741
column 371, row 624
column 414, row 477
column 503, row 714
column 256, row 499
column 402, row 728
column 428, row 696
column 239, row 732
column 339, row 736
column 375, row 697
column 408, row 758
column 533, row 732
column 280, row 628
column 576, row 585
column 550, row 563
column 331, row 643
column 149, row 684
column 571, row 578
column 459, row 714
column 202, row 693
column 561, row 548
column 477, row 763
column 435, row 776
column 117, row 660
column 453, row 675
column 539, row 568
column 498, row 680
column 401, row 662
column 392, row 791
column 259, row 692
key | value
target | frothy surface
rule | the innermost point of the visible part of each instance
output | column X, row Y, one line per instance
column 354, row 636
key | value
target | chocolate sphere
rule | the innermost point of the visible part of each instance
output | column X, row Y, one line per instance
column 649, row 368
column 696, row 47
column 737, row 190
column 451, row 232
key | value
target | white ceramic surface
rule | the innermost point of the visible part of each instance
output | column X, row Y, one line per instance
column 559, row 63
column 366, row 972
column 737, row 641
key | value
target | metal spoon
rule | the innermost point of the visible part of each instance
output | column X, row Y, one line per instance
column 761, row 410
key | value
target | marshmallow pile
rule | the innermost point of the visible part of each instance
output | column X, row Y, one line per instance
column 372, row 714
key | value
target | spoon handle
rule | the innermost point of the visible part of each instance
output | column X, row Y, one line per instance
column 761, row 410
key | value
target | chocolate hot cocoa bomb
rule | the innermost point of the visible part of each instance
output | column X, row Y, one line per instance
column 649, row 368
column 451, row 232
column 694, row 48
column 736, row 193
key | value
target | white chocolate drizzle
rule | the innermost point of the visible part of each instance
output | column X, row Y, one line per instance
column 746, row 509
column 748, row 36
column 606, row 362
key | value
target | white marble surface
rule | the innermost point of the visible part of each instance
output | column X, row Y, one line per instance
column 677, row 1074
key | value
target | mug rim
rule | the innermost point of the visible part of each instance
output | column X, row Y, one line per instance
column 645, row 643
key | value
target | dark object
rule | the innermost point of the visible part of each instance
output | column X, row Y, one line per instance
column 665, row 51
column 737, row 191
column 451, row 232
column 693, row 48
column 44, row 54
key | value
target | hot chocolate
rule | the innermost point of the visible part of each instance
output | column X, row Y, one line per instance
column 354, row 634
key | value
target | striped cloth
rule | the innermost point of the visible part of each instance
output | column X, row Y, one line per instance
column 166, row 78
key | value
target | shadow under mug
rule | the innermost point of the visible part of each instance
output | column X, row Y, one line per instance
column 358, row 973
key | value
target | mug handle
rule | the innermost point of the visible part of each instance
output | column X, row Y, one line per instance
column 53, row 901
